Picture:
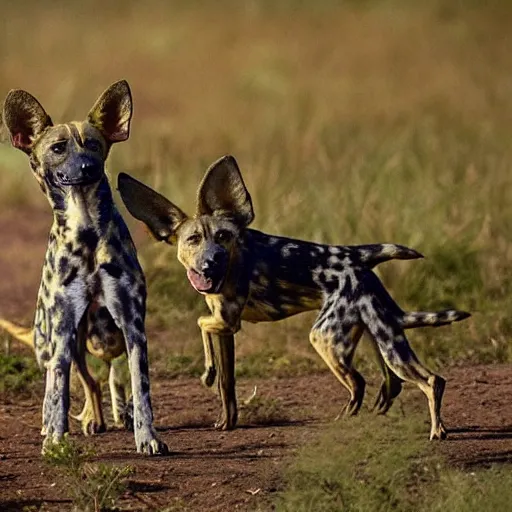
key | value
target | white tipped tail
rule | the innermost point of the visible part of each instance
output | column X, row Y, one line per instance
column 414, row 319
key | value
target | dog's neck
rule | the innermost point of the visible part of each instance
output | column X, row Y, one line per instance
column 89, row 207
column 236, row 281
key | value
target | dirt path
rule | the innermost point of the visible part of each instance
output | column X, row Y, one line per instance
column 208, row 470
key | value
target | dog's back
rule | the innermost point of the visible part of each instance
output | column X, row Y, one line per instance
column 289, row 276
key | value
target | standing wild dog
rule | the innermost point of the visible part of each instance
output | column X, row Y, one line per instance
column 248, row 275
column 93, row 293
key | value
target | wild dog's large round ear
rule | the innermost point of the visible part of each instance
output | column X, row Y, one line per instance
column 24, row 118
column 113, row 111
column 161, row 216
column 223, row 192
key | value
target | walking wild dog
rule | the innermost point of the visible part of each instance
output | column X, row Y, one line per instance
column 248, row 275
column 92, row 294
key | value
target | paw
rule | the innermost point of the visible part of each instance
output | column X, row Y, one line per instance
column 50, row 441
column 208, row 377
column 92, row 427
column 439, row 433
column 382, row 403
column 226, row 422
column 148, row 443
column 89, row 423
column 153, row 447
column 223, row 424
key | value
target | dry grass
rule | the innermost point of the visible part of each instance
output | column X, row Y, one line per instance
column 355, row 122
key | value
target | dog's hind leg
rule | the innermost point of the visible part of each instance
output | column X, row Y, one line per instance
column 391, row 384
column 118, row 396
column 91, row 416
column 401, row 359
column 335, row 339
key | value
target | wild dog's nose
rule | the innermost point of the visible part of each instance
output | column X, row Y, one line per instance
column 213, row 264
column 89, row 169
column 210, row 267
column 207, row 265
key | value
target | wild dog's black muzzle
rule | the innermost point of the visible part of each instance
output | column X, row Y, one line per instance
column 83, row 171
column 209, row 275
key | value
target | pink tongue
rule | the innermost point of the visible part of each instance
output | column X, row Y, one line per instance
column 198, row 281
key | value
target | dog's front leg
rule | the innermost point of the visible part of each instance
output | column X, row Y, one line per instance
column 224, row 357
column 56, row 399
column 63, row 317
column 219, row 348
column 210, row 372
column 128, row 311
column 224, row 319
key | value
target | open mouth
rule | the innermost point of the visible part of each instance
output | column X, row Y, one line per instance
column 201, row 283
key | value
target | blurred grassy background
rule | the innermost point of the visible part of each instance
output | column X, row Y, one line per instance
column 353, row 122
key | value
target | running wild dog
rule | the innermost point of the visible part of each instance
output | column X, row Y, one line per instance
column 93, row 293
column 248, row 275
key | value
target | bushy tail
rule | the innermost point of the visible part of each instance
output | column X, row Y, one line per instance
column 18, row 332
column 414, row 319
column 373, row 254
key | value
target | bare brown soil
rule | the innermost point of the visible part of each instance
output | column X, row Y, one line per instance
column 209, row 470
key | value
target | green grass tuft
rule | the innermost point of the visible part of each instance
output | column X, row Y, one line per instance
column 18, row 373
column 386, row 464
column 93, row 487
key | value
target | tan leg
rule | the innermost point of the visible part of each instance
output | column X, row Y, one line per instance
column 91, row 416
column 391, row 385
column 117, row 396
column 340, row 363
column 219, row 350
column 210, row 372
column 434, row 390
column 411, row 370
column 224, row 358
column 402, row 361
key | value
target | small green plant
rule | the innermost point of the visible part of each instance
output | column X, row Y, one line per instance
column 17, row 373
column 93, row 487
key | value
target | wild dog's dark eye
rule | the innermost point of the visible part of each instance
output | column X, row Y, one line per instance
column 194, row 239
column 59, row 147
column 224, row 236
column 92, row 145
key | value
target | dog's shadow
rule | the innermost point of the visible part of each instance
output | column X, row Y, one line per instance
column 488, row 454
column 478, row 433
column 208, row 424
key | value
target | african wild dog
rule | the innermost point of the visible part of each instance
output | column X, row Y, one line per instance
column 248, row 275
column 92, row 294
